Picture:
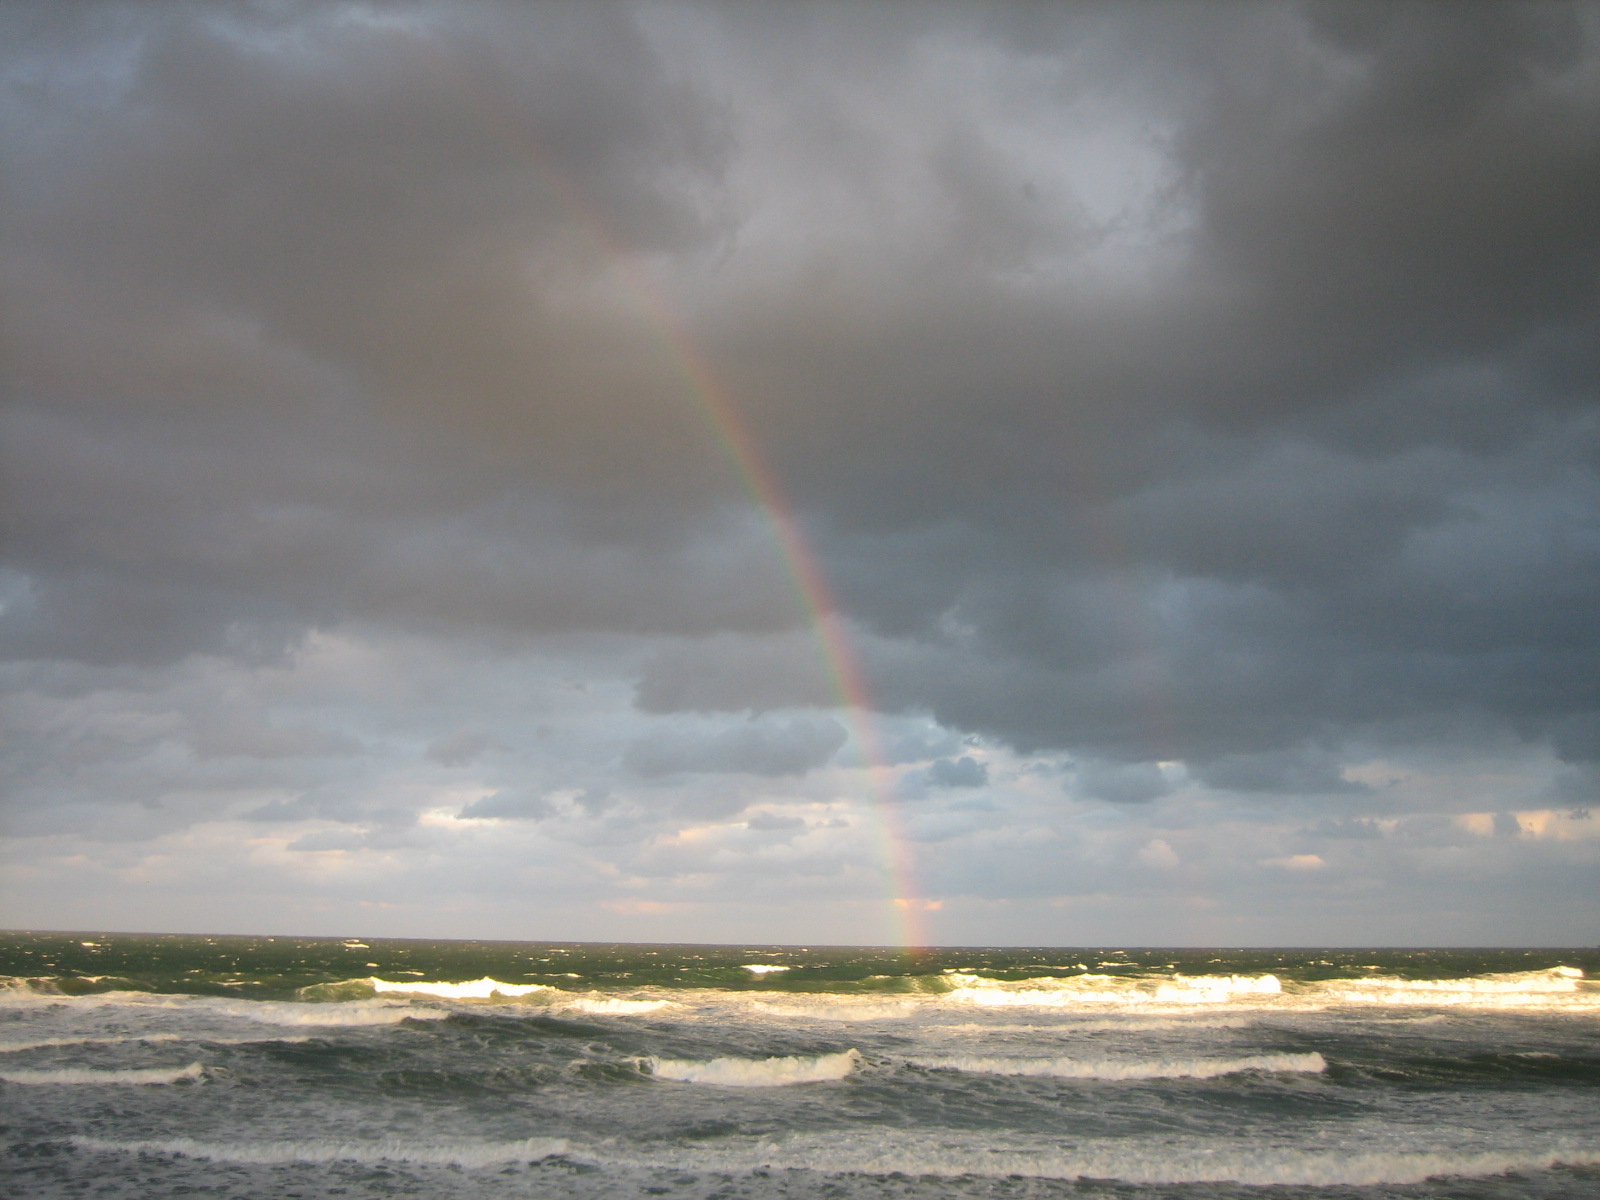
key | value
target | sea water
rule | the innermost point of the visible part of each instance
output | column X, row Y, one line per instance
column 136, row 1066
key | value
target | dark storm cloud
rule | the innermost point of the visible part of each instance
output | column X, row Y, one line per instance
column 1200, row 382
column 277, row 278
column 731, row 672
column 1283, row 772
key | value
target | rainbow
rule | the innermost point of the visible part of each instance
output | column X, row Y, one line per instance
column 721, row 410
column 720, row 407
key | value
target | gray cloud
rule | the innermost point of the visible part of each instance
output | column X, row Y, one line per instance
column 729, row 673
column 463, row 747
column 1121, row 783
column 1209, row 384
column 963, row 772
column 1290, row 772
column 768, row 746
column 765, row 822
column 509, row 806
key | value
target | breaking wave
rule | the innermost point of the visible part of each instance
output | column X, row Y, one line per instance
column 756, row 1072
column 456, row 1154
column 44, row 1043
column 1103, row 1160
column 349, row 1013
column 343, row 1013
column 613, row 1007
column 474, row 989
column 1129, row 1024
column 1107, row 1159
column 1557, row 987
column 1051, row 992
column 82, row 1075
column 1074, row 1068
column 1256, row 1168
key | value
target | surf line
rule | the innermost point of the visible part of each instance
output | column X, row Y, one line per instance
column 719, row 407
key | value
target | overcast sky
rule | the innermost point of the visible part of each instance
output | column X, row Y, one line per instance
column 420, row 420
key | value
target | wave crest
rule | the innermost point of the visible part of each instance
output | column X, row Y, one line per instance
column 1072, row 1068
column 756, row 1072
column 83, row 1075
column 472, row 989
column 1050, row 992
column 348, row 1013
column 610, row 1006
column 838, row 1009
column 457, row 1154
column 1555, row 987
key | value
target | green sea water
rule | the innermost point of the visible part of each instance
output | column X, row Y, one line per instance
column 148, row 1067
column 277, row 968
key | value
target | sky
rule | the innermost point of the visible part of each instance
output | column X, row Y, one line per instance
column 1030, row 474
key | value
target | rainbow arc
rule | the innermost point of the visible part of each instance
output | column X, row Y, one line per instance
column 720, row 408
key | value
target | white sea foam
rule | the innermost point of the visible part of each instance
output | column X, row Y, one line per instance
column 458, row 1154
column 1561, row 989
column 756, row 1072
column 43, row 1043
column 1081, row 1068
column 473, row 989
column 1111, row 989
column 838, row 1009
column 764, row 968
column 342, row 1014
column 1554, row 980
column 1133, row 1023
column 47, row 1043
column 612, row 1006
column 82, row 1075
column 1267, row 1167
column 1558, row 988
column 1147, row 1024
column 1110, row 1159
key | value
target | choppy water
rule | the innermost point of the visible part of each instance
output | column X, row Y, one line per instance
column 256, row 1067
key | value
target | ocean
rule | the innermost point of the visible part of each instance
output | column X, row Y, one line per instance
column 231, row 1067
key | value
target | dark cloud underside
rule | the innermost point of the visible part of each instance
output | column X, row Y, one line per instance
column 1195, row 395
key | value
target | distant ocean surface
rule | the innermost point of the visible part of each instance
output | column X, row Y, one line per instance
column 137, row 1066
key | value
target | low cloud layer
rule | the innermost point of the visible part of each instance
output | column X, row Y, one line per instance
column 1192, row 410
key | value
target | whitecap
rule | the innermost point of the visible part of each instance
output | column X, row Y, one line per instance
column 269, row 1012
column 756, row 1072
column 840, row 1009
column 82, row 1075
column 43, row 1043
column 1049, row 992
column 1187, row 1161
column 1553, row 988
column 473, row 989
column 612, row 1006
column 1139, row 1022
column 332, row 1013
column 1109, row 1069
column 458, row 1154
